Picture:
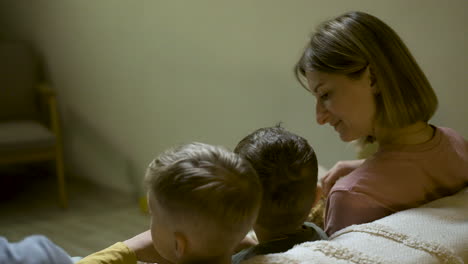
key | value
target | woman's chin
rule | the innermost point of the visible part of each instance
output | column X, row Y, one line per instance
column 347, row 138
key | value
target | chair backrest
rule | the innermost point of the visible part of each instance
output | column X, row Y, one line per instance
column 18, row 79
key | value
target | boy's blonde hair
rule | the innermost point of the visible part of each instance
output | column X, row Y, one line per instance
column 209, row 190
column 280, row 158
column 354, row 41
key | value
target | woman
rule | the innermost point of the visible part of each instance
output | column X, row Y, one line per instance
column 369, row 88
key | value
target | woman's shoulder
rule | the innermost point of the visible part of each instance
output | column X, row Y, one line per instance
column 378, row 174
column 391, row 166
column 376, row 167
column 431, row 170
column 447, row 131
column 444, row 140
column 452, row 136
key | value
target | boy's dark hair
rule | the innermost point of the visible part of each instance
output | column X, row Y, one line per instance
column 287, row 167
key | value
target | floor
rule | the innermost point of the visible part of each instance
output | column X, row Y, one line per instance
column 96, row 218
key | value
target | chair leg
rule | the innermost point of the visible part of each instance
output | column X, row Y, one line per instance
column 59, row 163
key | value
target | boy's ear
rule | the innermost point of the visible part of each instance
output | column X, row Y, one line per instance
column 180, row 246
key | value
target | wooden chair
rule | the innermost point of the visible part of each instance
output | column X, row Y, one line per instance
column 25, row 134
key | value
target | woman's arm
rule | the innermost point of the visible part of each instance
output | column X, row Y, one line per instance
column 247, row 242
column 340, row 169
column 345, row 208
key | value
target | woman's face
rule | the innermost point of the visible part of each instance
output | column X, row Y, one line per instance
column 346, row 104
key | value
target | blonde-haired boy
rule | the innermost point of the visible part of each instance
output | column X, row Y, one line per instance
column 203, row 200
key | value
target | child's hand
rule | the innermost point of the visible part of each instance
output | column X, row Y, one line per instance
column 245, row 243
column 142, row 245
column 340, row 169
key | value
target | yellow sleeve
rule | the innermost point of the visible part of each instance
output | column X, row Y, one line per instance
column 118, row 253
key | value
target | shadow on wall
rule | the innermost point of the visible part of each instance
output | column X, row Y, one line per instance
column 89, row 154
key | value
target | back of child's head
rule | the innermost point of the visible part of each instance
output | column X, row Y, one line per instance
column 210, row 194
column 287, row 167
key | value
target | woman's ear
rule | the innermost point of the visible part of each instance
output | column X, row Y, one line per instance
column 180, row 246
column 373, row 82
column 372, row 78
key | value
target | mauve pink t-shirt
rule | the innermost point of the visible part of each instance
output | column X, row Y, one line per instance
column 397, row 178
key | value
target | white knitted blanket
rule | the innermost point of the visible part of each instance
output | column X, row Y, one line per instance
column 434, row 233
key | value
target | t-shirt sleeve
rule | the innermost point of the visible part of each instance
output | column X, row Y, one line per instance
column 345, row 208
column 118, row 253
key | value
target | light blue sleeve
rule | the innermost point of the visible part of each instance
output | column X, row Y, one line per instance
column 35, row 249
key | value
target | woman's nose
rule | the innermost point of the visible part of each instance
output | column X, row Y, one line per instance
column 321, row 113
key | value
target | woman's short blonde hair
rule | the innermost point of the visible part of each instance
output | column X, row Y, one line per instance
column 353, row 41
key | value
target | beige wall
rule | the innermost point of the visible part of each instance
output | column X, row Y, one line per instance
column 136, row 77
